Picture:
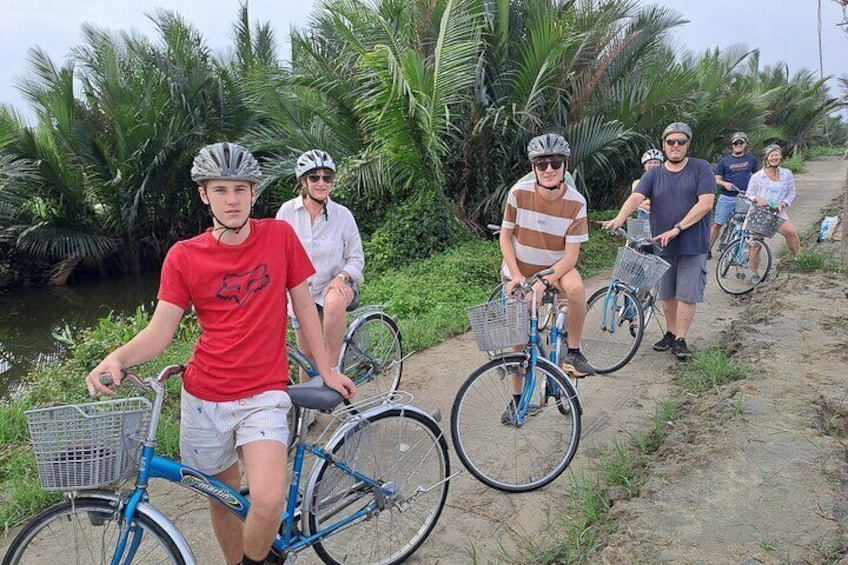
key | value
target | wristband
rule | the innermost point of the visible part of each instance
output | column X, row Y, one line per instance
column 679, row 227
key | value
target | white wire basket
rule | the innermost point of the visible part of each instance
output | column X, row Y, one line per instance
column 500, row 324
column 638, row 269
column 87, row 446
column 638, row 229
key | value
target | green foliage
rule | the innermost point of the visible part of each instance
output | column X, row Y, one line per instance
column 709, row 369
column 794, row 163
column 429, row 297
column 824, row 151
column 418, row 228
column 815, row 260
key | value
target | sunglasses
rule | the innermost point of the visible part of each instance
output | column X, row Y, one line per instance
column 556, row 164
column 680, row 142
column 329, row 179
column 738, row 142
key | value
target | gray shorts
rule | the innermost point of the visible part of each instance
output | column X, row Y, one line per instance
column 685, row 280
column 210, row 432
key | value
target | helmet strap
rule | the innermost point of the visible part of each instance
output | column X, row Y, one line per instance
column 221, row 227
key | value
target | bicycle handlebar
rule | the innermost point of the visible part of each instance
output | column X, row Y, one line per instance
column 135, row 380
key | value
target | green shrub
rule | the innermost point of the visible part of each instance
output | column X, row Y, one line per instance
column 420, row 227
column 709, row 369
column 794, row 163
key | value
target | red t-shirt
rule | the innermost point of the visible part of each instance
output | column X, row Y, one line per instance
column 239, row 294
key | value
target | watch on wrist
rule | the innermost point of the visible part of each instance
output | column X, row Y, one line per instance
column 343, row 276
column 678, row 226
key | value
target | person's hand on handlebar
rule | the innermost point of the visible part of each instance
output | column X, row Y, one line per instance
column 511, row 285
column 614, row 224
column 109, row 365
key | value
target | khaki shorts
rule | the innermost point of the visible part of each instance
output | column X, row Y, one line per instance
column 210, row 432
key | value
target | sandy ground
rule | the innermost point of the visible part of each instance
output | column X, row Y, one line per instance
column 754, row 473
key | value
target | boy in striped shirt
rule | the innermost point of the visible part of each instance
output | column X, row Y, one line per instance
column 543, row 226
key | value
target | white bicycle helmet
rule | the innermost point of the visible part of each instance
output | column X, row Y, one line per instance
column 770, row 149
column 225, row 160
column 739, row 135
column 311, row 160
column 548, row 144
column 652, row 155
column 677, row 127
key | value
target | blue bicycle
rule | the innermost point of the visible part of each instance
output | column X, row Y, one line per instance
column 618, row 314
column 746, row 260
column 534, row 439
column 374, row 494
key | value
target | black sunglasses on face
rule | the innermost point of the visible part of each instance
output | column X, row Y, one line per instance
column 556, row 164
column 329, row 179
column 673, row 142
column 738, row 142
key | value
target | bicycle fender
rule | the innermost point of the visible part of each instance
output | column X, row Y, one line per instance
column 154, row 514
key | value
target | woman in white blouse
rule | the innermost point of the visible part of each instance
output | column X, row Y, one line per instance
column 774, row 186
column 331, row 238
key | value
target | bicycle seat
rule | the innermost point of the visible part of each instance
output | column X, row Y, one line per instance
column 314, row 394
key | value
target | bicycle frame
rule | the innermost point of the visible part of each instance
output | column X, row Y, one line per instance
column 289, row 539
column 536, row 348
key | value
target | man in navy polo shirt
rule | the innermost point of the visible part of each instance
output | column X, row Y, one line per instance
column 732, row 175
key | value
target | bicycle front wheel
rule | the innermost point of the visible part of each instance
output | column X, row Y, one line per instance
column 407, row 453
column 86, row 530
column 613, row 328
column 504, row 454
column 743, row 265
column 372, row 355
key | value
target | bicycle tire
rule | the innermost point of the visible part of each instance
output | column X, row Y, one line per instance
column 732, row 269
column 506, row 456
column 610, row 341
column 89, row 525
column 372, row 355
column 385, row 446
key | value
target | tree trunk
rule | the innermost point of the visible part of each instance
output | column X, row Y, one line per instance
column 61, row 271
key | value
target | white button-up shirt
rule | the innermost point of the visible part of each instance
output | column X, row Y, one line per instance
column 333, row 242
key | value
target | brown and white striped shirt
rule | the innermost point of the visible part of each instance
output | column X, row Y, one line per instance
column 542, row 228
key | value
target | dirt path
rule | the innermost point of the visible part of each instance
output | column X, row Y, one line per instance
column 747, row 476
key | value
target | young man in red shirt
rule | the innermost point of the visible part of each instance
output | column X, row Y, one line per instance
column 235, row 275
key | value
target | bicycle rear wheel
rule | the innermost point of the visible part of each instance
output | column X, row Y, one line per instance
column 86, row 530
column 372, row 355
column 505, row 455
column 404, row 450
column 733, row 270
column 613, row 328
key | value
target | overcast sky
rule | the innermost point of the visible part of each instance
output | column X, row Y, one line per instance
column 783, row 30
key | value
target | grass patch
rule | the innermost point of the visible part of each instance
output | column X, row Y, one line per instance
column 813, row 152
column 620, row 473
column 709, row 369
column 812, row 260
column 794, row 163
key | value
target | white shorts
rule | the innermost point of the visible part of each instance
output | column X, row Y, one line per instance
column 210, row 432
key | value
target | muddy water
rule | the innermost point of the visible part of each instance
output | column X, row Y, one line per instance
column 30, row 317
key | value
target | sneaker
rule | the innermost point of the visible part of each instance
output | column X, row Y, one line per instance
column 576, row 365
column 710, row 254
column 509, row 417
column 680, row 350
column 756, row 279
column 665, row 343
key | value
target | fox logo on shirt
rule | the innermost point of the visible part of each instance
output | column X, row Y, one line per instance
column 240, row 287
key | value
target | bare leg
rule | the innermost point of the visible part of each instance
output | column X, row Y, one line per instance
column 227, row 527
column 715, row 230
column 265, row 466
column 670, row 312
column 790, row 234
column 683, row 319
column 754, row 258
column 572, row 286
column 335, row 320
